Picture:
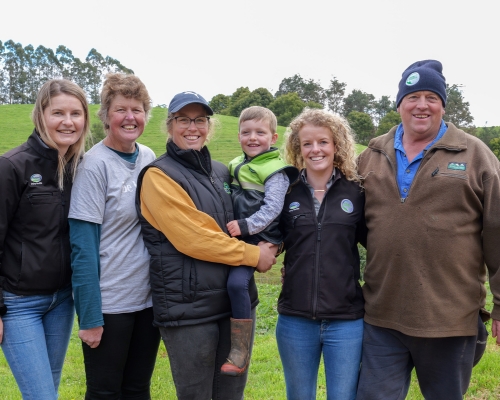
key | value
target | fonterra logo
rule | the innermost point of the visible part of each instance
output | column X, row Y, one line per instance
column 347, row 206
column 36, row 179
column 227, row 189
column 413, row 79
column 293, row 206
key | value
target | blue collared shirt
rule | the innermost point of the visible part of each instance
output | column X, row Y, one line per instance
column 406, row 171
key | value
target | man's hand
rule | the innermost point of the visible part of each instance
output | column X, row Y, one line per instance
column 1, row 330
column 495, row 330
column 267, row 256
column 233, row 228
column 92, row 336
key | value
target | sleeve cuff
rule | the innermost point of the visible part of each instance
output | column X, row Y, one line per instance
column 242, row 223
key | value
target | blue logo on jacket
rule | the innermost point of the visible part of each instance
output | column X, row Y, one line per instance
column 347, row 206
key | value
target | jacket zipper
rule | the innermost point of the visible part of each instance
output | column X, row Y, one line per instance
column 33, row 195
column 63, row 204
column 318, row 248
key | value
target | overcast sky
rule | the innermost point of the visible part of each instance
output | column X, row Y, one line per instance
column 217, row 46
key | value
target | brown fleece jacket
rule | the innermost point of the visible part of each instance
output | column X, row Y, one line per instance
column 427, row 257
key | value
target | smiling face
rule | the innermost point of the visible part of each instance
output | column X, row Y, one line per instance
column 256, row 137
column 317, row 149
column 64, row 119
column 126, row 120
column 193, row 137
column 421, row 114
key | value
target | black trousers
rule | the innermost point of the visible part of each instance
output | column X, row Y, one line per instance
column 122, row 365
column 443, row 365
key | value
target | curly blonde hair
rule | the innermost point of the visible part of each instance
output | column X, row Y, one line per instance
column 342, row 135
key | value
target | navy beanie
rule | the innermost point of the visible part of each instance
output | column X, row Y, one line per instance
column 423, row 75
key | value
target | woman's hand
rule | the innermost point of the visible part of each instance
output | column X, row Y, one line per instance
column 267, row 256
column 1, row 330
column 92, row 336
column 495, row 330
column 233, row 228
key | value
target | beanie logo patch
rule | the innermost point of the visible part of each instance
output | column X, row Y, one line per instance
column 413, row 79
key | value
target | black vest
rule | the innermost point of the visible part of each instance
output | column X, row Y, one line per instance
column 188, row 291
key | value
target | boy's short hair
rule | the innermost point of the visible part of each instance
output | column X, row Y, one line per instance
column 260, row 114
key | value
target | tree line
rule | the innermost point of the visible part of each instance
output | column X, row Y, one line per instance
column 23, row 70
column 367, row 115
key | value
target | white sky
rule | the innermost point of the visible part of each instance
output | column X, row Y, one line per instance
column 217, row 46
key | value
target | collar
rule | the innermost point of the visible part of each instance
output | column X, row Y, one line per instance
column 398, row 137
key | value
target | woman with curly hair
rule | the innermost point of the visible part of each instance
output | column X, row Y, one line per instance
column 321, row 304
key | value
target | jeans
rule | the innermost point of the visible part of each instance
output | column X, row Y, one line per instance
column 301, row 341
column 196, row 354
column 122, row 365
column 237, row 289
column 37, row 329
column 443, row 365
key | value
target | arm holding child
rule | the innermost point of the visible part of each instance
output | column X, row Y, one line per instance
column 275, row 189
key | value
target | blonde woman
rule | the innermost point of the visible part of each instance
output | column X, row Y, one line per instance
column 36, row 306
column 321, row 304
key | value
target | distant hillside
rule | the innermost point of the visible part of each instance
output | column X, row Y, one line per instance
column 16, row 126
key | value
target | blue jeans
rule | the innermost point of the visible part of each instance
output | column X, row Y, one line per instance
column 301, row 341
column 237, row 289
column 36, row 336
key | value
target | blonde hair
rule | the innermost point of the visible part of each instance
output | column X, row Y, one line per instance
column 343, row 138
column 129, row 86
column 259, row 113
column 50, row 89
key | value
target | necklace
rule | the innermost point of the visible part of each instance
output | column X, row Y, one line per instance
column 319, row 190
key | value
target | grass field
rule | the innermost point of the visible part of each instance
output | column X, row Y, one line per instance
column 266, row 375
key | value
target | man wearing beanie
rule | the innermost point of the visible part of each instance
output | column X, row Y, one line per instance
column 433, row 216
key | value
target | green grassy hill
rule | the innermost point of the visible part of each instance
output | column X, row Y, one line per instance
column 16, row 126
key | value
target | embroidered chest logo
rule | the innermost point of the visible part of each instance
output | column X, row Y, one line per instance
column 412, row 79
column 347, row 206
column 227, row 189
column 293, row 206
column 457, row 166
column 36, row 179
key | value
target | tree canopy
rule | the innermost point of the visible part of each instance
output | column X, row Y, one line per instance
column 23, row 70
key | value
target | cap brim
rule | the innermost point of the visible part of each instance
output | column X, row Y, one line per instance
column 182, row 105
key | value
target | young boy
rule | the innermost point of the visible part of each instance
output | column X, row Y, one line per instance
column 260, row 180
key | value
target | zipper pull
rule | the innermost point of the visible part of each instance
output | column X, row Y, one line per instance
column 434, row 173
column 295, row 219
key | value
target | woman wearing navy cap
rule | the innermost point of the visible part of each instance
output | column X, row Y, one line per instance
column 184, row 203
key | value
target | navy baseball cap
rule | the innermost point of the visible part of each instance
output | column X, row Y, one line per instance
column 181, row 100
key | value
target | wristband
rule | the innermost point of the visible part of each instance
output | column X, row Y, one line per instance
column 3, row 310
